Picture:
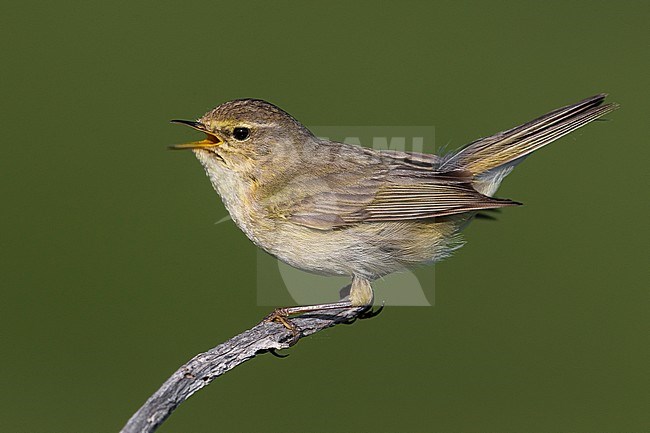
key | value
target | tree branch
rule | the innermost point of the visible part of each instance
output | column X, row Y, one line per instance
column 205, row 367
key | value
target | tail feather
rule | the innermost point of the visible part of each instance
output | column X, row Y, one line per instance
column 494, row 157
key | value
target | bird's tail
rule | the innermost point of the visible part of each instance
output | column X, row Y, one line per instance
column 490, row 159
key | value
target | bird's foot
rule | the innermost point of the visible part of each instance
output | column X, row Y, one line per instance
column 281, row 316
column 368, row 313
column 371, row 312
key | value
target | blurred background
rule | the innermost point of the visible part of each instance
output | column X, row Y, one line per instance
column 114, row 273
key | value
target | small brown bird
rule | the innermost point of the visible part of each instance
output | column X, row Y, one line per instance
column 339, row 209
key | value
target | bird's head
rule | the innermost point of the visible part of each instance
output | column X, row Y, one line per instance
column 245, row 134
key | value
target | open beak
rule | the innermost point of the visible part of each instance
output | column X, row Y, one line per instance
column 209, row 142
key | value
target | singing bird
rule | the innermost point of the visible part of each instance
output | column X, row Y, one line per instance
column 339, row 209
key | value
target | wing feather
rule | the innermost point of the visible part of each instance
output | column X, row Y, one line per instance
column 402, row 193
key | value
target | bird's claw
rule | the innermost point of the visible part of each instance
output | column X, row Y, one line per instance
column 275, row 353
column 370, row 313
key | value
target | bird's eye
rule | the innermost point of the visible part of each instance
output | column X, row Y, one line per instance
column 241, row 133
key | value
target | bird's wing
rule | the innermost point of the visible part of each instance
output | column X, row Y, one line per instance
column 395, row 191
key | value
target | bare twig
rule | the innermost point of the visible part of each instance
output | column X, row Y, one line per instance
column 205, row 367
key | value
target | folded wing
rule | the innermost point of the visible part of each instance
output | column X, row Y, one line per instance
column 399, row 190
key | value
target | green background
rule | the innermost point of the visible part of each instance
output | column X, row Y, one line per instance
column 113, row 272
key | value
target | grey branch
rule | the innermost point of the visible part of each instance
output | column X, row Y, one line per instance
column 205, row 367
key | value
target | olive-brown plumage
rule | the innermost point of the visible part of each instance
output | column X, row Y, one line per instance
column 340, row 209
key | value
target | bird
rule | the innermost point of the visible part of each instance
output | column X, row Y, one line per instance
column 339, row 209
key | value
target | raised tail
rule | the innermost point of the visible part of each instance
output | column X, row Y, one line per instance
column 490, row 159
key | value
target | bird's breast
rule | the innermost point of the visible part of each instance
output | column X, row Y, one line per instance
column 236, row 192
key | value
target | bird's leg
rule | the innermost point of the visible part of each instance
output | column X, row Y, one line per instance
column 361, row 295
column 281, row 315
